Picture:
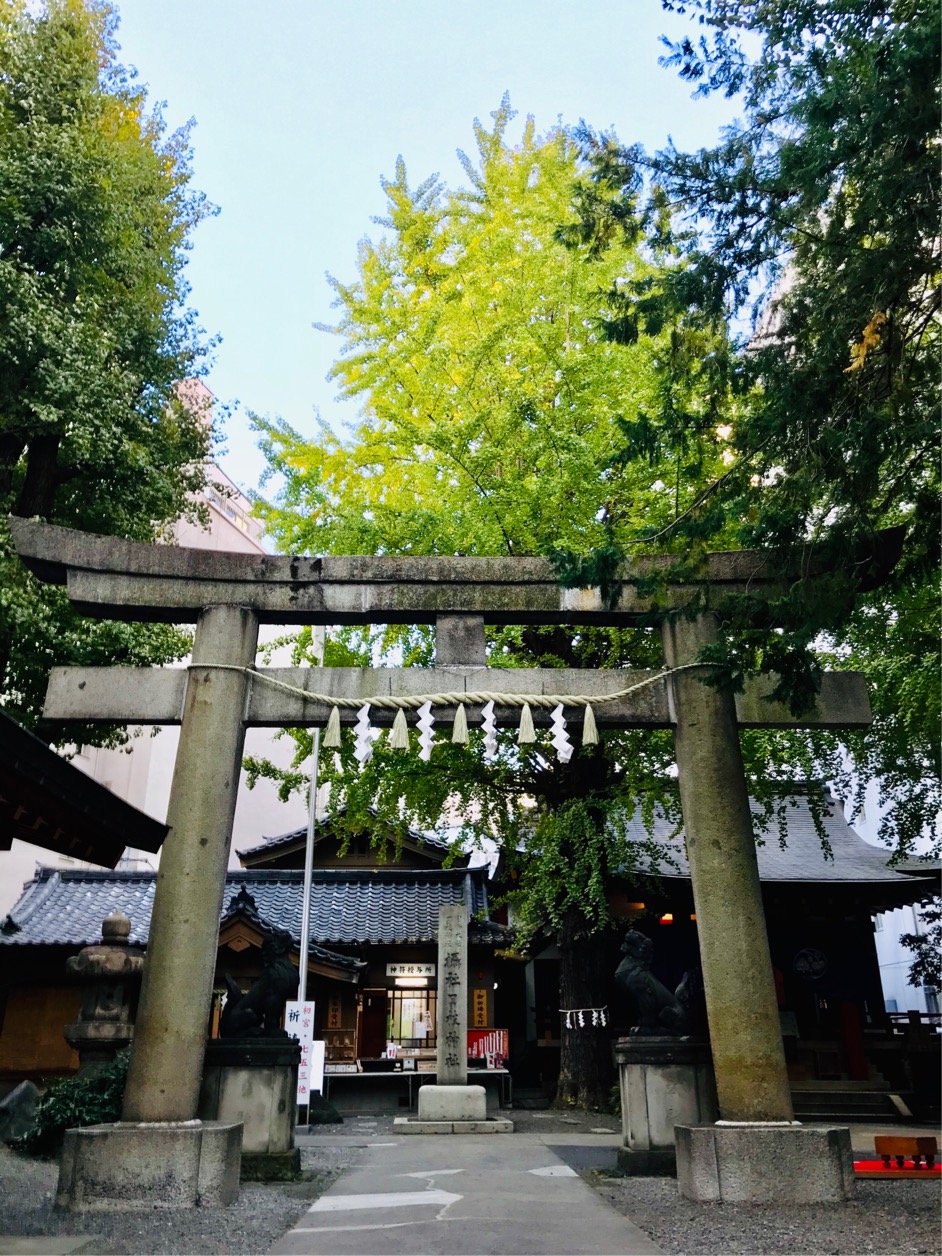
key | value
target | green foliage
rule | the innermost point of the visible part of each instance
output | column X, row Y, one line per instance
column 94, row 1099
column 96, row 211
column 892, row 638
column 926, row 946
column 817, row 213
column 489, row 427
column 569, row 859
column 829, row 189
column 493, row 404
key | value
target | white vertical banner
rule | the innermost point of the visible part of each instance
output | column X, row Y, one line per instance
column 299, row 1023
column 318, row 1056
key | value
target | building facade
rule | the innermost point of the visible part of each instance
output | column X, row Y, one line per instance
column 141, row 772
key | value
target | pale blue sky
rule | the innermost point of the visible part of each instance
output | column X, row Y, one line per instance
column 302, row 105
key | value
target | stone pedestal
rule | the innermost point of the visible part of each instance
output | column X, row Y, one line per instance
column 123, row 1167
column 452, row 1110
column 452, row 1103
column 254, row 1081
column 664, row 1082
column 764, row 1164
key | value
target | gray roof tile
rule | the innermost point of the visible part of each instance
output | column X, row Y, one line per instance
column 324, row 829
column 803, row 858
column 348, row 907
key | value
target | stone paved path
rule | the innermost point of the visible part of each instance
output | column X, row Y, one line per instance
column 496, row 1194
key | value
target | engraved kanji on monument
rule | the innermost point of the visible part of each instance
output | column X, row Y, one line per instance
column 453, row 995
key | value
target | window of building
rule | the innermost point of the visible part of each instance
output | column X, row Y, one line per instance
column 412, row 1017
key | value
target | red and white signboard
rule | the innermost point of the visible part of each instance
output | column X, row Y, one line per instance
column 492, row 1045
column 299, row 1023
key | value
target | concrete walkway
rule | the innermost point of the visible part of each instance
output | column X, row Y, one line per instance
column 496, row 1194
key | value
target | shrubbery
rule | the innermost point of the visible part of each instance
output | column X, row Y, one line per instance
column 91, row 1100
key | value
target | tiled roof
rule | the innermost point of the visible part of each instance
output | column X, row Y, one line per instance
column 802, row 859
column 348, row 907
column 271, row 845
column 242, row 905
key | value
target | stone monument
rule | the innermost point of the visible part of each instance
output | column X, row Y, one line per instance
column 451, row 1106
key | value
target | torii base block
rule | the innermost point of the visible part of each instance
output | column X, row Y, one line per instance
column 764, row 1164
column 176, row 1164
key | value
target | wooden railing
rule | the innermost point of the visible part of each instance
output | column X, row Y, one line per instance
column 916, row 1022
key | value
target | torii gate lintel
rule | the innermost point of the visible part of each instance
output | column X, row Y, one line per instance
column 143, row 695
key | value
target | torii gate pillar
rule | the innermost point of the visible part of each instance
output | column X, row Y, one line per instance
column 176, row 995
column 745, row 1035
column 757, row 1153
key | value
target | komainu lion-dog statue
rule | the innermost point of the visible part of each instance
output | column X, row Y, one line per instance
column 659, row 1011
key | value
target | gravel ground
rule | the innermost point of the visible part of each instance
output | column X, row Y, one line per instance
column 899, row 1217
column 262, row 1214
column 887, row 1218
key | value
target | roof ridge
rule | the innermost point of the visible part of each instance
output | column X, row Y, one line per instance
column 29, row 904
column 301, row 831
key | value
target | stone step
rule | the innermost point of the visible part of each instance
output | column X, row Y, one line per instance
column 533, row 1099
column 844, row 1105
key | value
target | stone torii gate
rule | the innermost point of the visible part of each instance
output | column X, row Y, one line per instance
column 221, row 693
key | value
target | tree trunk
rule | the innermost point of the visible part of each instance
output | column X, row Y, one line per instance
column 39, row 486
column 586, row 1069
column 11, row 449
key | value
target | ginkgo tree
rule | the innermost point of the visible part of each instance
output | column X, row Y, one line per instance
column 493, row 405
column 492, row 410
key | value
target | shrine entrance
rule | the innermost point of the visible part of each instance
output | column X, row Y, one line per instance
column 221, row 693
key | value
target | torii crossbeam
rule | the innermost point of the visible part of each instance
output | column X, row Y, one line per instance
column 219, row 695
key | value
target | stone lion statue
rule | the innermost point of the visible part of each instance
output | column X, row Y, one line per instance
column 258, row 1012
column 659, row 1011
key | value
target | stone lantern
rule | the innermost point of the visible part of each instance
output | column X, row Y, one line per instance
column 110, row 973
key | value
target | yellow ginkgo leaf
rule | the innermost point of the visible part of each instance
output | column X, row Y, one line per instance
column 870, row 338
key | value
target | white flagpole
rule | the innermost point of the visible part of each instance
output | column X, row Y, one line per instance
column 318, row 651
